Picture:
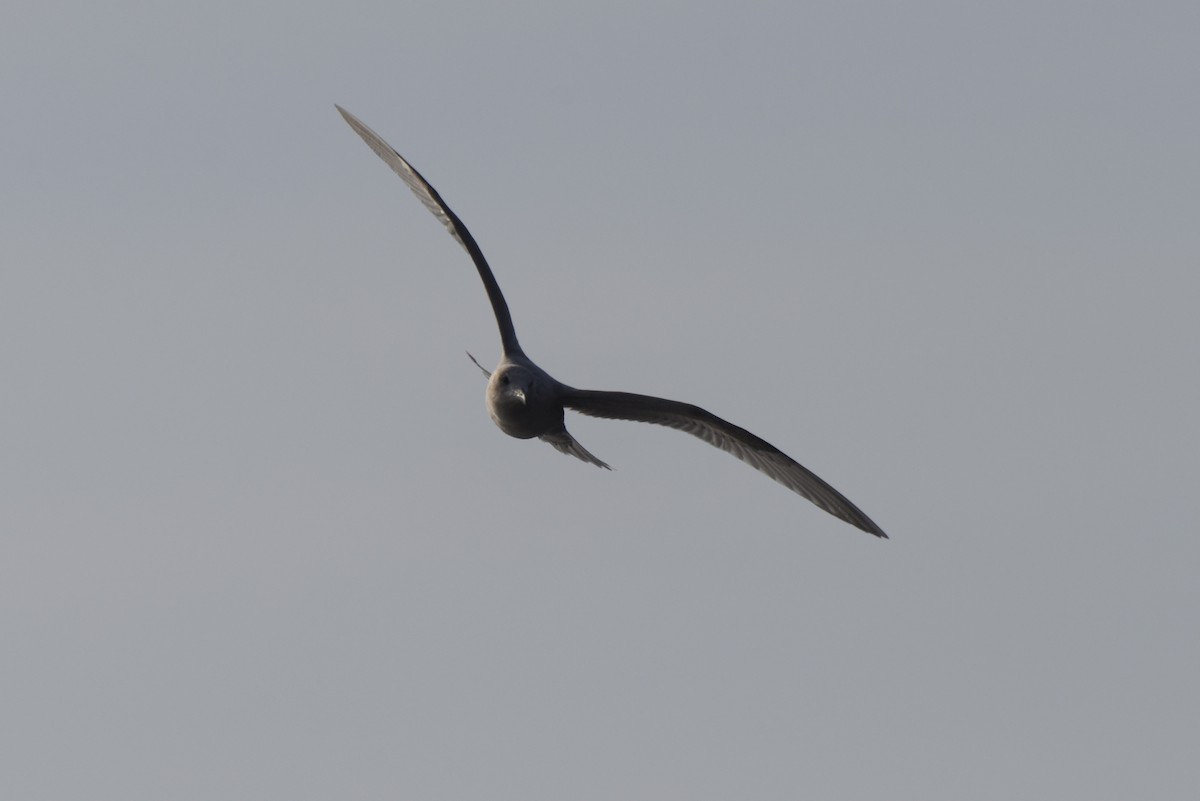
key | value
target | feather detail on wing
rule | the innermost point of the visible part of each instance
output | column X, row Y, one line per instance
column 433, row 201
column 754, row 451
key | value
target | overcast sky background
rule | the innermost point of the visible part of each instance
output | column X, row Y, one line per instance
column 260, row 539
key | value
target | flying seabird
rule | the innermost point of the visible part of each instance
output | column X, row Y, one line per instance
column 526, row 402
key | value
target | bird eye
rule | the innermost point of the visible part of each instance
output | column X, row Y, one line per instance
column 504, row 380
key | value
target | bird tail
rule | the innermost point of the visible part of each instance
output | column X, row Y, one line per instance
column 564, row 442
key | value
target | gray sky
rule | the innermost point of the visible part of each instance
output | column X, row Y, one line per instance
column 261, row 541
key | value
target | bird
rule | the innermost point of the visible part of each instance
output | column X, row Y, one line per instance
column 525, row 401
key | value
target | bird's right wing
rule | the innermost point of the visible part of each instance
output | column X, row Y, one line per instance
column 433, row 201
column 756, row 452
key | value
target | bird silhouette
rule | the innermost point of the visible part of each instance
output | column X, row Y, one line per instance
column 525, row 401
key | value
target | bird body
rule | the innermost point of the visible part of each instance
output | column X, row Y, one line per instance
column 525, row 401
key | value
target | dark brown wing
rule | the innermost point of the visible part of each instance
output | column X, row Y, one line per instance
column 756, row 452
column 433, row 201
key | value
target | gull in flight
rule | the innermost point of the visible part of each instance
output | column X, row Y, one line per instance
column 526, row 402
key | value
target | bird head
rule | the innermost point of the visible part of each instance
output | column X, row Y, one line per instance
column 511, row 386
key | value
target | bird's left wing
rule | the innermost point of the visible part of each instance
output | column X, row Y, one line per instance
column 754, row 451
